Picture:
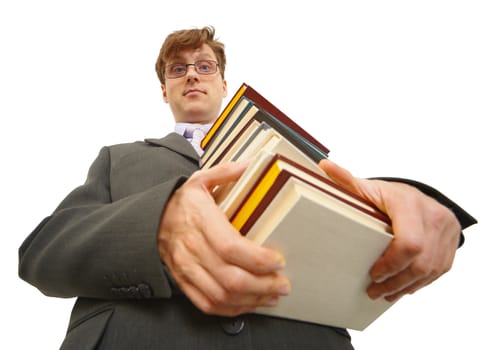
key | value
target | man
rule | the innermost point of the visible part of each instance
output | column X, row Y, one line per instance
column 154, row 262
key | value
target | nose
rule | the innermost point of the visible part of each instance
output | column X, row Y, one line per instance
column 191, row 72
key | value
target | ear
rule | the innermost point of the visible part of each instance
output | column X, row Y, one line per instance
column 225, row 89
column 164, row 93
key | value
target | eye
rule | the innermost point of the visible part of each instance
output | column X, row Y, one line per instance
column 205, row 66
column 177, row 69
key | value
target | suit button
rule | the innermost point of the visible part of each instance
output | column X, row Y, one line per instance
column 145, row 290
column 115, row 292
column 133, row 292
column 233, row 326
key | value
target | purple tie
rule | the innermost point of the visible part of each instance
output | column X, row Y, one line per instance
column 194, row 133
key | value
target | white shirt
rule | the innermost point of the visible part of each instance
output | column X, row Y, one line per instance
column 181, row 128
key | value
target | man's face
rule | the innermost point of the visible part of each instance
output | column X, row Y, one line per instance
column 195, row 98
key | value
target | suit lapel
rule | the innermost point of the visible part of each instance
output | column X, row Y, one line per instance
column 176, row 143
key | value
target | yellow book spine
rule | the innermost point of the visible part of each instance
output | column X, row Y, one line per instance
column 255, row 197
column 223, row 116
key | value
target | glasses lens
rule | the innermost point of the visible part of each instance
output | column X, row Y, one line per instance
column 175, row 70
column 206, row 66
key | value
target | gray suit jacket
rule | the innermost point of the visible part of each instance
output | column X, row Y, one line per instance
column 100, row 245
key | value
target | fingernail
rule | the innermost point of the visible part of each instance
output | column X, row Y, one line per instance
column 244, row 162
column 284, row 289
column 374, row 295
column 379, row 278
column 373, row 292
column 272, row 301
column 280, row 262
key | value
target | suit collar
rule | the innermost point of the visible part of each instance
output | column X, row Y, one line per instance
column 176, row 143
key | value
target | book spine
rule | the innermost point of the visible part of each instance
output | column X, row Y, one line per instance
column 271, row 191
column 261, row 101
column 223, row 115
column 280, row 180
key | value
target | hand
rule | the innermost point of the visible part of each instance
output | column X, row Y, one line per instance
column 219, row 270
column 426, row 234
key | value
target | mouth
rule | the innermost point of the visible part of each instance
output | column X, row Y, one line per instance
column 192, row 91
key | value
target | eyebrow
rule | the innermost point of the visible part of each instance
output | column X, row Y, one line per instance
column 202, row 55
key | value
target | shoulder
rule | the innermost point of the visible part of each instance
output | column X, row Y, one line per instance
column 170, row 148
column 169, row 140
column 127, row 147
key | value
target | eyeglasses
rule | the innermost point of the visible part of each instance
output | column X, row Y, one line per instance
column 177, row 70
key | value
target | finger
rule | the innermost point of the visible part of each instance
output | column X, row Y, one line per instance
column 211, row 251
column 432, row 263
column 219, row 174
column 394, row 285
column 228, row 289
column 238, row 288
column 369, row 190
column 204, row 303
column 414, row 236
column 241, row 265
column 410, row 289
column 424, row 269
column 198, row 284
column 223, row 238
column 340, row 175
column 235, row 249
column 407, row 224
column 397, row 258
column 408, row 241
column 241, row 286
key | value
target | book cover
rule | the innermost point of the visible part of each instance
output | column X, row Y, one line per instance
column 328, row 257
column 274, row 175
column 217, row 126
column 239, row 135
column 230, row 196
column 271, row 109
column 239, row 120
column 262, row 148
column 235, row 120
column 291, row 135
column 329, row 236
column 271, row 114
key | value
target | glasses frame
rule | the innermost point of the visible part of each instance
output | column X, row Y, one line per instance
column 186, row 66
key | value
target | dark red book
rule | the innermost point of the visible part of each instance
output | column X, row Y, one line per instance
column 330, row 240
column 274, row 176
column 246, row 98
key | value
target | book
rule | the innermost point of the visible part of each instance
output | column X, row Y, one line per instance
column 229, row 197
column 330, row 236
column 241, row 110
column 238, row 136
column 263, row 140
column 275, row 169
column 235, row 115
column 328, row 257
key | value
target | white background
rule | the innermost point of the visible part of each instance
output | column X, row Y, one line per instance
column 399, row 87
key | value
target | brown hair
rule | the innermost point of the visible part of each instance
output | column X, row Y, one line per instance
column 189, row 39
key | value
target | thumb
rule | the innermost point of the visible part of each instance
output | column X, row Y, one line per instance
column 340, row 175
column 222, row 173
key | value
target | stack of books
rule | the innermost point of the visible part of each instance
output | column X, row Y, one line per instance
column 330, row 236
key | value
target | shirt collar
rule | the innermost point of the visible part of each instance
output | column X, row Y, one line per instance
column 181, row 127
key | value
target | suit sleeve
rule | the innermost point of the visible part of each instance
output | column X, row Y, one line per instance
column 94, row 247
column 464, row 218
